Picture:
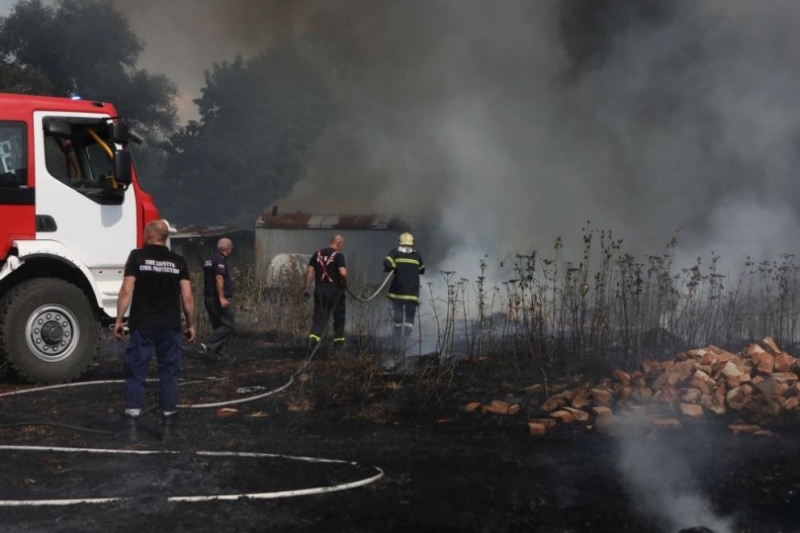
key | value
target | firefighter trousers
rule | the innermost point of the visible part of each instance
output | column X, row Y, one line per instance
column 404, row 312
column 328, row 299
column 166, row 343
column 223, row 323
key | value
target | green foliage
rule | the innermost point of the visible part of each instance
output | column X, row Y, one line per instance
column 258, row 116
column 87, row 48
column 25, row 80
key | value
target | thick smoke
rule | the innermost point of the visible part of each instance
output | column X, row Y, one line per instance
column 513, row 122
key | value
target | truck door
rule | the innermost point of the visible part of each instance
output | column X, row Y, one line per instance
column 79, row 204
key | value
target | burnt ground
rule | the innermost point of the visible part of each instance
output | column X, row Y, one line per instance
column 445, row 470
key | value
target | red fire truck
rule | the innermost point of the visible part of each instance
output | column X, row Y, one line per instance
column 71, row 209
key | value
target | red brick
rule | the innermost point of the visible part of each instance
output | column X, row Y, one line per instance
column 565, row 417
column 637, row 380
column 602, row 410
column 533, row 389
column 537, row 430
column 578, row 415
column 770, row 345
column 547, row 422
column 622, row 377
column 764, row 362
column 784, row 362
column 744, row 428
column 666, row 423
column 602, row 397
column 472, row 407
column 691, row 410
column 554, row 402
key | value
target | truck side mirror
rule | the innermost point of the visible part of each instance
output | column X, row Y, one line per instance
column 59, row 128
column 119, row 132
column 122, row 166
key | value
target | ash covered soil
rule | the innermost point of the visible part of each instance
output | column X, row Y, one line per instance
column 445, row 470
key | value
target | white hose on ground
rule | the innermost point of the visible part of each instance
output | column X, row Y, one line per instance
column 181, row 406
column 239, row 400
column 85, row 383
column 291, row 378
column 190, row 499
column 185, row 406
column 213, row 404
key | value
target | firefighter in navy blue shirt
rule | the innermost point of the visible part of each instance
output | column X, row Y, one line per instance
column 156, row 285
column 328, row 271
column 217, row 294
column 407, row 265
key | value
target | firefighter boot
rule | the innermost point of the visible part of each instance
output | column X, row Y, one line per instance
column 169, row 426
column 313, row 344
column 130, row 427
column 398, row 349
column 406, row 366
column 397, row 338
column 407, row 329
column 339, row 348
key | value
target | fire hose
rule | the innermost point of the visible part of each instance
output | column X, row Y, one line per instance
column 379, row 473
column 187, row 498
column 376, row 293
column 299, row 371
column 247, row 399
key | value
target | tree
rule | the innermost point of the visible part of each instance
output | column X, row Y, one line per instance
column 258, row 117
column 87, row 48
column 26, row 80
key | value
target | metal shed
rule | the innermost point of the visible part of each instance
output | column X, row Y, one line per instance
column 197, row 243
column 367, row 239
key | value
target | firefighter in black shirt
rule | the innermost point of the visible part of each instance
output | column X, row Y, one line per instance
column 328, row 271
column 407, row 265
column 156, row 285
column 217, row 294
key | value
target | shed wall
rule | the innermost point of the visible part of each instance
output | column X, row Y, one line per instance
column 364, row 250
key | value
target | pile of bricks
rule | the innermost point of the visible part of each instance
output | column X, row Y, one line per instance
column 755, row 387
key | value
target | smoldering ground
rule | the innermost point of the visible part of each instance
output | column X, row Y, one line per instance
column 445, row 470
column 664, row 484
column 516, row 122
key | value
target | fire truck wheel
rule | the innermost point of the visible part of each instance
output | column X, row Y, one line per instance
column 49, row 332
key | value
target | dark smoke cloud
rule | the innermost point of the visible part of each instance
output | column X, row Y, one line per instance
column 513, row 122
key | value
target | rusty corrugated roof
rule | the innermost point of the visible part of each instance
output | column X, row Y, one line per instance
column 301, row 220
column 193, row 232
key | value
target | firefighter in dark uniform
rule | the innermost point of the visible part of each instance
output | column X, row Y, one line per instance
column 156, row 285
column 217, row 292
column 407, row 265
column 328, row 271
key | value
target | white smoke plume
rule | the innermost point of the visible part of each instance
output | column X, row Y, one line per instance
column 511, row 123
column 663, row 486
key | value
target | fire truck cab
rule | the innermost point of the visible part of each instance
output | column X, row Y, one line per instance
column 71, row 210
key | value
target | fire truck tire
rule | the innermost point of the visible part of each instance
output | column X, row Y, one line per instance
column 49, row 332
